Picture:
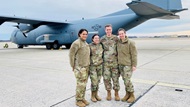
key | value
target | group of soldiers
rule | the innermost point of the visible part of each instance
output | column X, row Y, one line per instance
column 109, row 56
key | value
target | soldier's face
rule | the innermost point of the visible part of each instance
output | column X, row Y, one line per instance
column 96, row 39
column 108, row 31
column 84, row 35
column 121, row 34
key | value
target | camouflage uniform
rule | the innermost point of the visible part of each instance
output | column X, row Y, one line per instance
column 80, row 60
column 110, row 62
column 127, row 58
column 96, row 60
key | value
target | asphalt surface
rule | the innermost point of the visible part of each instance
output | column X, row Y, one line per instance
column 36, row 77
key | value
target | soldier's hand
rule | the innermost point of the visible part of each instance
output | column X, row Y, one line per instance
column 134, row 68
column 73, row 69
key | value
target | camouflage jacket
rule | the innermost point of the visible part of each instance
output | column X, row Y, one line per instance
column 96, row 54
column 127, row 52
column 109, row 46
column 79, row 53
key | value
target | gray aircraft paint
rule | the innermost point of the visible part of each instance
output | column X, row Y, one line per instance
column 51, row 33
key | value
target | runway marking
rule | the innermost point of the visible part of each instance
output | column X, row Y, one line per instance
column 174, row 85
column 62, row 101
column 160, row 57
column 161, row 83
column 151, row 82
column 143, row 94
column 155, row 83
column 144, row 81
column 69, row 98
column 160, row 70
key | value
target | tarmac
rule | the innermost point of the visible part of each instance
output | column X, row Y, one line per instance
column 36, row 77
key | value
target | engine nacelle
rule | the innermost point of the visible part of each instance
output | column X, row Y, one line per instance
column 25, row 28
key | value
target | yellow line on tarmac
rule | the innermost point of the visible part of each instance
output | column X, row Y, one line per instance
column 144, row 81
column 174, row 85
column 161, row 83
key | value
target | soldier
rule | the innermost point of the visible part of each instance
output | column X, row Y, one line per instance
column 127, row 60
column 96, row 60
column 109, row 42
column 80, row 60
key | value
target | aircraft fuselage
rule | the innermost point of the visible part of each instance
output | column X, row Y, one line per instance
column 54, row 34
column 65, row 35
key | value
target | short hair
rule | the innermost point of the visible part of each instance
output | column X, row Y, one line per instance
column 121, row 29
column 108, row 25
column 82, row 30
column 94, row 36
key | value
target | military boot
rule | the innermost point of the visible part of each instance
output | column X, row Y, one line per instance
column 117, row 98
column 96, row 96
column 126, row 97
column 80, row 104
column 93, row 98
column 85, row 102
column 108, row 95
column 131, row 97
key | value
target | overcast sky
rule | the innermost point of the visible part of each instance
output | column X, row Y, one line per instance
column 61, row 10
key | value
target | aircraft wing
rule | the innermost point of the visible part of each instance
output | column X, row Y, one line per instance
column 27, row 21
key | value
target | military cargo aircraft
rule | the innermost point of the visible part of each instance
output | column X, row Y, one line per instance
column 54, row 34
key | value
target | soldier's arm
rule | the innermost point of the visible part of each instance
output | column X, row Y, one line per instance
column 72, row 52
column 90, row 49
column 133, row 52
column 101, row 42
column 101, row 39
column 116, row 40
column 103, row 50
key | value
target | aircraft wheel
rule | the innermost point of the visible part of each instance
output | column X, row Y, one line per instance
column 56, row 46
column 68, row 46
column 48, row 46
column 20, row 46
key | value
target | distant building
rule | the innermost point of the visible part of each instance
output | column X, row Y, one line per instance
column 183, row 36
column 132, row 36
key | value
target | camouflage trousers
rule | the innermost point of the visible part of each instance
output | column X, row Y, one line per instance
column 95, row 76
column 81, row 74
column 110, row 71
column 126, row 73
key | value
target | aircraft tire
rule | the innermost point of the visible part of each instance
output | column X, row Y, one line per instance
column 20, row 46
column 68, row 46
column 56, row 45
column 48, row 46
